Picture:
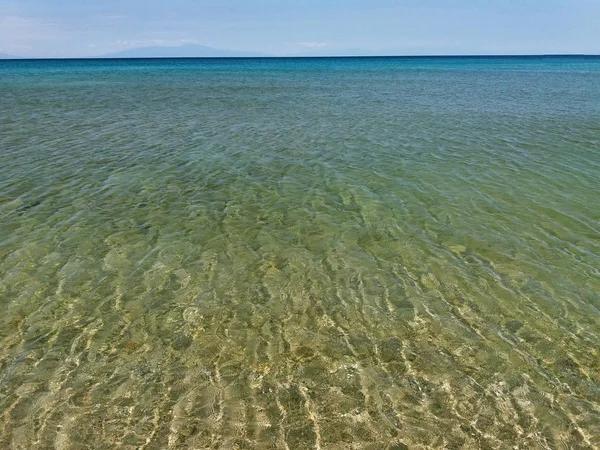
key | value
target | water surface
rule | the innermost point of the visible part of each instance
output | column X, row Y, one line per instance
column 300, row 253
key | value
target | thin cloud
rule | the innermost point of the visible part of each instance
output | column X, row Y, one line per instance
column 110, row 16
column 313, row 44
column 132, row 43
column 19, row 33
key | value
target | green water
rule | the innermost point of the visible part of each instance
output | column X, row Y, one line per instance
column 333, row 254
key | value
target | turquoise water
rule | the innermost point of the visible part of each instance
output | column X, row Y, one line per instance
column 300, row 253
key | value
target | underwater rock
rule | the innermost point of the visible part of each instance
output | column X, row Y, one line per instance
column 458, row 249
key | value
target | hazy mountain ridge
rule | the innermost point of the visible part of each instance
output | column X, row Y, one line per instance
column 181, row 51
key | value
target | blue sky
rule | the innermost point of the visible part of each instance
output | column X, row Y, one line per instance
column 74, row 28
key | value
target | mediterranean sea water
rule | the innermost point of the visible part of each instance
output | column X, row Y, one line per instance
column 338, row 253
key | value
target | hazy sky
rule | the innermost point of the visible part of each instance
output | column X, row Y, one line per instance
column 57, row 28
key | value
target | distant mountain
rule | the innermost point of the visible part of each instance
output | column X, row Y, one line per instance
column 182, row 51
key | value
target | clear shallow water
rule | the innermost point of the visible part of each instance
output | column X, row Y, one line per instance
column 327, row 253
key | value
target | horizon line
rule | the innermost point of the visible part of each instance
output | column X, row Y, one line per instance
column 473, row 55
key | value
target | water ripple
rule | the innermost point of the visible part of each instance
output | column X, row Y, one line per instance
column 343, row 254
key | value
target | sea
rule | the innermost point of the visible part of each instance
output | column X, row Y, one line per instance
column 300, row 253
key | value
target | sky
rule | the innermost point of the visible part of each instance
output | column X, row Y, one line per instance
column 80, row 28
